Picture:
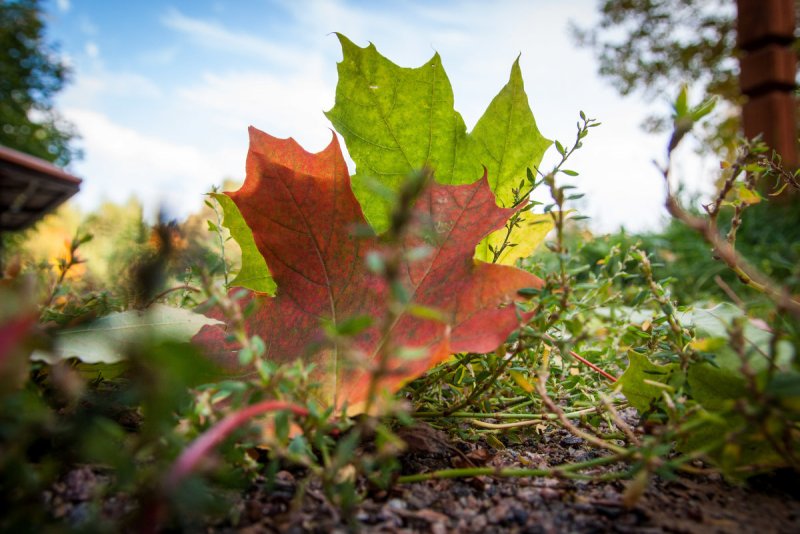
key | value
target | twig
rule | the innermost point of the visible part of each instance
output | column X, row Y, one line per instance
column 564, row 470
column 484, row 385
column 66, row 264
column 166, row 292
column 748, row 274
column 502, row 415
column 618, row 421
column 729, row 291
column 541, row 388
column 532, row 421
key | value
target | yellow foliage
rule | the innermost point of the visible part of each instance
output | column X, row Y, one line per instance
column 531, row 232
column 521, row 381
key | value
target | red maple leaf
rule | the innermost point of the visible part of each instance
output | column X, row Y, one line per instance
column 302, row 213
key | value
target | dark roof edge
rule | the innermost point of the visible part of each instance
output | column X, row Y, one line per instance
column 33, row 163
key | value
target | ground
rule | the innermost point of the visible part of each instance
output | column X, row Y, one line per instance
column 691, row 504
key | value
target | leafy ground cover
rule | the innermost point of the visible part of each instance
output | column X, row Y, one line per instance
column 403, row 349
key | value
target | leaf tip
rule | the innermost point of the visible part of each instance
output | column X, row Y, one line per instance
column 516, row 71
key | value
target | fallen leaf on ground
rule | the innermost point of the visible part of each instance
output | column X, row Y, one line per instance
column 302, row 213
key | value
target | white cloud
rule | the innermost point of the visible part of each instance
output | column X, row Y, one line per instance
column 90, row 88
column 87, row 26
column 216, row 36
column 160, row 56
column 285, row 106
column 121, row 162
column 63, row 5
column 92, row 50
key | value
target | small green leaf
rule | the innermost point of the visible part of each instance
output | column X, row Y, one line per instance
column 700, row 111
column 529, row 292
column 681, row 105
column 637, row 380
column 246, row 356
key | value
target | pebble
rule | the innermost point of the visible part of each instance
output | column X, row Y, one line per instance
column 397, row 504
column 549, row 494
column 571, row 441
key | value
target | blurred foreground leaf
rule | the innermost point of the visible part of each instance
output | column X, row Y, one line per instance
column 109, row 338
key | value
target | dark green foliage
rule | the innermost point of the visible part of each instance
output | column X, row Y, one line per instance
column 769, row 236
column 31, row 74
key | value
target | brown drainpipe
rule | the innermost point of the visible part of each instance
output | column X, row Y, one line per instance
column 765, row 34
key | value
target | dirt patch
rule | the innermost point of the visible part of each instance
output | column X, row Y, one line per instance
column 689, row 504
column 490, row 504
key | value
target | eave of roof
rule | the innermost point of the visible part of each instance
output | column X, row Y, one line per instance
column 30, row 188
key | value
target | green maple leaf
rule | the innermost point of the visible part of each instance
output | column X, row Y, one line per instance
column 395, row 120
column 509, row 137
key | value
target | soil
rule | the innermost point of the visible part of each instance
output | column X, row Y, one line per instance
column 690, row 504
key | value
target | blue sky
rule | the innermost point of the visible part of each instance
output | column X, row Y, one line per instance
column 163, row 92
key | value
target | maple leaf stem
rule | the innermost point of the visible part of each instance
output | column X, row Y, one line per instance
column 200, row 447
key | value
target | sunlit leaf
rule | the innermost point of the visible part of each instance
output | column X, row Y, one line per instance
column 302, row 213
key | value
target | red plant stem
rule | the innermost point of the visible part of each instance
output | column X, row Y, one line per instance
column 586, row 362
column 191, row 456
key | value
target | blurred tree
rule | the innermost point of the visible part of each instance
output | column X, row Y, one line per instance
column 656, row 45
column 30, row 75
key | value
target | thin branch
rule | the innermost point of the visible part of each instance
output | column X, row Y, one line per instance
column 564, row 470
column 166, row 292
column 533, row 421
column 747, row 273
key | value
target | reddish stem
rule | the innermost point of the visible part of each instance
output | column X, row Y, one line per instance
column 191, row 456
column 586, row 362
